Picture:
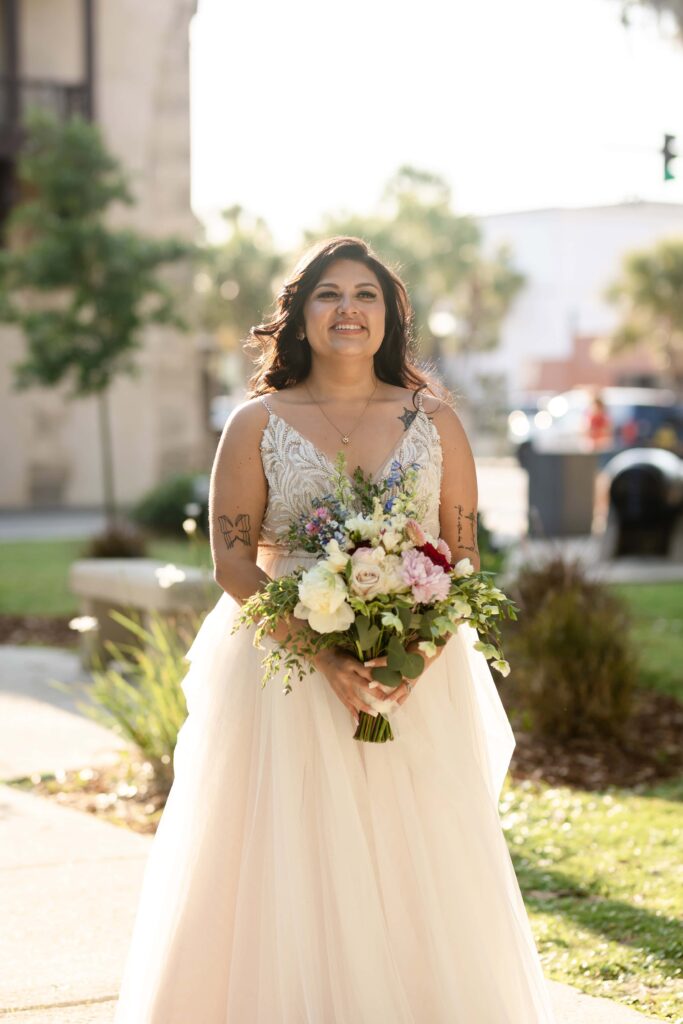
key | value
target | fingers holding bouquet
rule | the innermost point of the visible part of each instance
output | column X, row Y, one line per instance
column 349, row 679
column 404, row 689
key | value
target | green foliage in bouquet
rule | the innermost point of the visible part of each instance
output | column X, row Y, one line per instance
column 575, row 671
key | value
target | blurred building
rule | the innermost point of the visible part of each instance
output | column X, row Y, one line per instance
column 550, row 339
column 125, row 64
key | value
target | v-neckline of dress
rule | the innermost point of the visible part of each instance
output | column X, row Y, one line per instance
column 374, row 477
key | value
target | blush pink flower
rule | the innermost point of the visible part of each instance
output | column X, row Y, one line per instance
column 444, row 549
column 427, row 581
column 415, row 533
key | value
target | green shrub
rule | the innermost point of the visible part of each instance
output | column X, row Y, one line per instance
column 573, row 669
column 117, row 542
column 140, row 697
column 491, row 557
column 165, row 507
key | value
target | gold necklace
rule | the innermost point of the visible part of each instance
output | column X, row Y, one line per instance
column 345, row 438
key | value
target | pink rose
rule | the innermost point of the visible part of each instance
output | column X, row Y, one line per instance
column 427, row 581
column 415, row 533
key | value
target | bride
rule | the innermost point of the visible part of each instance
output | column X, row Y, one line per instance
column 299, row 876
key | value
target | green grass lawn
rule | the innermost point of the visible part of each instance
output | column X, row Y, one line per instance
column 34, row 574
column 657, row 611
column 602, row 879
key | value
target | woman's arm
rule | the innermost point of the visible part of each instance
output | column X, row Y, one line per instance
column 237, row 500
column 459, row 492
column 237, row 504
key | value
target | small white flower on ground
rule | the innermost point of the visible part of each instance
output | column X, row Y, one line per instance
column 84, row 623
column 189, row 525
column 169, row 574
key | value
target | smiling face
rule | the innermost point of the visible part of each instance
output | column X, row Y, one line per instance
column 345, row 313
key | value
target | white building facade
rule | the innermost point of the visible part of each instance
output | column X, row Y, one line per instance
column 569, row 257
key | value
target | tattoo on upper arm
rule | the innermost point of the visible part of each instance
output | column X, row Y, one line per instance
column 407, row 417
column 467, row 529
column 237, row 529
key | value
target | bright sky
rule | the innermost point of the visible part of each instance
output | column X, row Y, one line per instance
column 306, row 107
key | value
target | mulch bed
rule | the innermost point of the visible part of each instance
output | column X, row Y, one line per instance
column 650, row 750
column 43, row 630
column 124, row 793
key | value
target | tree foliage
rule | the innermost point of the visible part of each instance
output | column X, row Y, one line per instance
column 649, row 299
column 238, row 277
column 440, row 256
column 80, row 290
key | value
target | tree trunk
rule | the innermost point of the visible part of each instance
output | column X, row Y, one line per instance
column 107, row 458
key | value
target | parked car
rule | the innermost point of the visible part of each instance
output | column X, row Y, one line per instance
column 640, row 417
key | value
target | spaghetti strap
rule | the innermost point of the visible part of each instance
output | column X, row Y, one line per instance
column 266, row 403
column 418, row 400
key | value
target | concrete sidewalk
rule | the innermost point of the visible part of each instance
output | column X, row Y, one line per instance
column 69, row 883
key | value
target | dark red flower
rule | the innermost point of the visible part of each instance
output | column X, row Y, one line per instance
column 436, row 557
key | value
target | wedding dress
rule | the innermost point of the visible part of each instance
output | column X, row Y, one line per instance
column 299, row 876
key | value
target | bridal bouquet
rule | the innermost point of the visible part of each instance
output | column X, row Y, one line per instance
column 381, row 586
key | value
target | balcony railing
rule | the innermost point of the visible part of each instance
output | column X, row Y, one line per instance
column 17, row 95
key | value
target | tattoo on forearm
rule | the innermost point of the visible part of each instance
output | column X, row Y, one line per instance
column 407, row 417
column 467, row 529
column 237, row 529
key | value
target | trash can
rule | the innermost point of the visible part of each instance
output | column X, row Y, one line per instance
column 645, row 515
column 561, row 490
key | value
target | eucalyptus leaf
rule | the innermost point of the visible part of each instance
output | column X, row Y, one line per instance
column 367, row 634
column 396, row 654
column 405, row 615
column 414, row 665
column 387, row 676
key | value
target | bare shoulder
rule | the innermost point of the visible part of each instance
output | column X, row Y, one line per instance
column 445, row 419
column 247, row 420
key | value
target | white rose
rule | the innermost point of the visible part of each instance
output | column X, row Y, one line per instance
column 336, row 558
column 322, row 600
column 463, row 568
column 367, row 576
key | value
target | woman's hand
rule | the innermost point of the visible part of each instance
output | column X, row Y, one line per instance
column 348, row 677
column 401, row 693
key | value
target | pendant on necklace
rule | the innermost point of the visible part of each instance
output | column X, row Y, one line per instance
column 345, row 439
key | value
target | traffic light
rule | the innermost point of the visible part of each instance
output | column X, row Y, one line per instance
column 669, row 154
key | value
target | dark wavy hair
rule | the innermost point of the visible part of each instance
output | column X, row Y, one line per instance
column 285, row 360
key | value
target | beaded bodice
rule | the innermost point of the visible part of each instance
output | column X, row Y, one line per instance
column 298, row 472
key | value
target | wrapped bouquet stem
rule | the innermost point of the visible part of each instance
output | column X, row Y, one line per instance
column 382, row 587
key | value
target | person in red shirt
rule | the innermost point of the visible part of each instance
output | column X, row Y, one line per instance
column 599, row 429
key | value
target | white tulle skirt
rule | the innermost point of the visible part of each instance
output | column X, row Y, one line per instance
column 299, row 876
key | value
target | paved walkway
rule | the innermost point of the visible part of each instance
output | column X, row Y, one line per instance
column 625, row 569
column 69, row 883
